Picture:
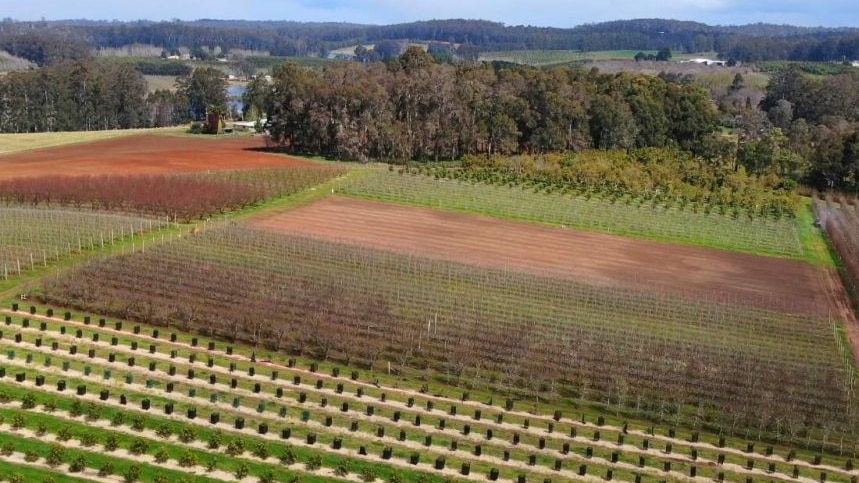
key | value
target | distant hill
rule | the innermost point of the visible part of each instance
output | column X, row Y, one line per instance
column 744, row 42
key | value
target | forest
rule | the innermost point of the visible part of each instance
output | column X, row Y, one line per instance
column 799, row 129
column 87, row 96
column 48, row 42
column 812, row 120
column 418, row 109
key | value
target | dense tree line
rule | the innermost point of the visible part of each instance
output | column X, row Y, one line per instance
column 812, row 124
column 88, row 96
column 417, row 109
column 44, row 47
column 744, row 43
column 73, row 97
column 823, row 48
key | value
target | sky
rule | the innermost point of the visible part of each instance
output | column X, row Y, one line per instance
column 554, row 13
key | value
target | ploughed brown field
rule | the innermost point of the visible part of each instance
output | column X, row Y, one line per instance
column 780, row 284
column 144, row 154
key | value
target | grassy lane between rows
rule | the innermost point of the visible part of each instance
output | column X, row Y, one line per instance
column 22, row 473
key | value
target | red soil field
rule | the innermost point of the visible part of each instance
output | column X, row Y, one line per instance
column 775, row 283
column 144, row 154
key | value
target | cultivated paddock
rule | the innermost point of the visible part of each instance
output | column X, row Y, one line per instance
column 143, row 154
column 780, row 284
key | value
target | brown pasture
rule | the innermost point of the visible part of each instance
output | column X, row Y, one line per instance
column 144, row 154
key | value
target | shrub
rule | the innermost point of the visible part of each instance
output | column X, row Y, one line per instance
column 161, row 456
column 161, row 479
column 111, row 442
column 118, row 419
column 106, row 469
column 342, row 469
column 138, row 423
column 267, row 477
column 28, row 401
column 313, row 463
column 288, row 457
column 164, row 431
column 88, row 439
column 236, row 447
column 18, row 421
column 55, row 456
column 16, row 479
column 77, row 465
column 41, row 429
column 31, row 456
column 368, row 474
column 76, row 409
column 64, row 434
column 261, row 451
column 132, row 474
column 215, row 440
column 93, row 412
column 188, row 460
column 187, row 435
column 49, row 407
column 7, row 449
column 138, row 446
column 241, row 472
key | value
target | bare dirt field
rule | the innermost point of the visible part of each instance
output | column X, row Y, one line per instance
column 781, row 284
column 143, row 154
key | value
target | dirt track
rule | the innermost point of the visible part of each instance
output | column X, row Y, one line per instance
column 597, row 258
column 144, row 154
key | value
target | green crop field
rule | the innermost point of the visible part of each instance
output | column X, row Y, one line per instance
column 628, row 217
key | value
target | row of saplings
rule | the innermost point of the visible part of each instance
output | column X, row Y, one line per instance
column 187, row 435
column 415, row 458
column 237, row 446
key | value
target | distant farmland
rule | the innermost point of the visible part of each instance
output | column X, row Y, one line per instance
column 552, row 57
column 549, row 57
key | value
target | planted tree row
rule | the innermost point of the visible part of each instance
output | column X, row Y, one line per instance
column 315, row 409
column 251, row 387
column 657, row 218
column 838, row 215
column 31, row 237
column 662, row 175
column 658, row 356
column 184, row 197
